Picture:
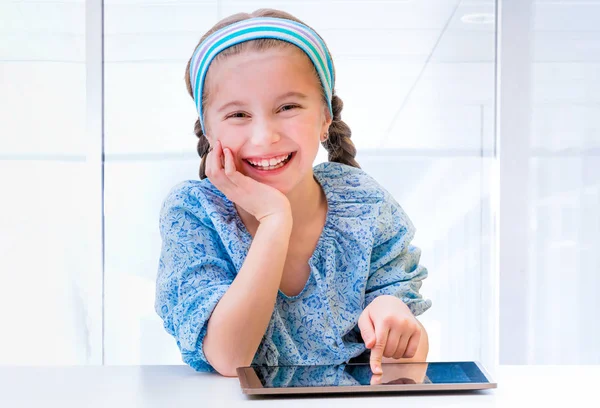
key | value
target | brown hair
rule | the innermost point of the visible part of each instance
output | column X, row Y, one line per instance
column 339, row 146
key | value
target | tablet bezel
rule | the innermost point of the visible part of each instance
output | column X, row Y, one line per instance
column 251, row 385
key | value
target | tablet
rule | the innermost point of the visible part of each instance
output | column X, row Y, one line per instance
column 358, row 378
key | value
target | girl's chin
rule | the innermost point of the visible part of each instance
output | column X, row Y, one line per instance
column 284, row 184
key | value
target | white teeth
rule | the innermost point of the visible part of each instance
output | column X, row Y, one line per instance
column 271, row 164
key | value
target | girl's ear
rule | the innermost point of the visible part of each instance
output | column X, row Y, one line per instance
column 327, row 119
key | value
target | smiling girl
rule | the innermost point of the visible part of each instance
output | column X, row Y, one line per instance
column 267, row 259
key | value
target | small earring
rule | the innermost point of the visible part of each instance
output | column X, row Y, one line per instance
column 325, row 137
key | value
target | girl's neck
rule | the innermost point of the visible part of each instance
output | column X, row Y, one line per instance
column 307, row 201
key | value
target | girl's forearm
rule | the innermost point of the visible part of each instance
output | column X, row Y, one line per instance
column 241, row 317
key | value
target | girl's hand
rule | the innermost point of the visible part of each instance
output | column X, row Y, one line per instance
column 258, row 199
column 389, row 329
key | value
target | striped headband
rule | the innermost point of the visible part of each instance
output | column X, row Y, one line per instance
column 260, row 27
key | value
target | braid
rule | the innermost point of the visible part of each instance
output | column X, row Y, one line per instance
column 202, row 148
column 338, row 144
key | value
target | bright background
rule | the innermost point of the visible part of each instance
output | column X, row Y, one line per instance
column 482, row 119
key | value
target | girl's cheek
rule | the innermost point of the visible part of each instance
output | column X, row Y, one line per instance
column 228, row 138
column 233, row 143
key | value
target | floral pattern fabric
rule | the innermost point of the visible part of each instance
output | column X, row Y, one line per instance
column 363, row 252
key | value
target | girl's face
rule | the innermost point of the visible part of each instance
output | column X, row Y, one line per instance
column 267, row 108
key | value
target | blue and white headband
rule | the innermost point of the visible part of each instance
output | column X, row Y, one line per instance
column 260, row 27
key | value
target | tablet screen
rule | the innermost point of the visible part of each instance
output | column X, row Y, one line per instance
column 354, row 374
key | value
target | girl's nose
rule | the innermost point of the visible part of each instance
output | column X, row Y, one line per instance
column 264, row 134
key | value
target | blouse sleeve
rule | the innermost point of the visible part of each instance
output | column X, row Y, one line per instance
column 194, row 273
column 394, row 268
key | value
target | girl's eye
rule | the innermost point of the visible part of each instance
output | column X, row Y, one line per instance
column 237, row 115
column 288, row 107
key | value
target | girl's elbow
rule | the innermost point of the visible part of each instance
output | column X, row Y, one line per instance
column 229, row 371
column 229, row 368
column 225, row 363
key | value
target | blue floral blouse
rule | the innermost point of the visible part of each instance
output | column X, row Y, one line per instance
column 363, row 252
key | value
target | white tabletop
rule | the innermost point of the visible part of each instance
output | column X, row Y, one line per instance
column 170, row 386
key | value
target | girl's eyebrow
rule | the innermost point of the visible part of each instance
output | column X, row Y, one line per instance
column 292, row 93
column 230, row 104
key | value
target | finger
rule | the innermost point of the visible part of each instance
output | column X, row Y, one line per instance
column 381, row 337
column 367, row 331
column 215, row 171
column 376, row 379
column 413, row 345
column 401, row 346
column 229, row 164
column 401, row 381
column 212, row 167
column 236, row 177
column 218, row 156
column 392, row 343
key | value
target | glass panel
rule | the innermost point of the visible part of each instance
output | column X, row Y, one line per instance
column 549, row 303
column 50, row 290
column 150, row 146
column 564, row 184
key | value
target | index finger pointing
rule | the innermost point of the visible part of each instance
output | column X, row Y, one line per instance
column 377, row 351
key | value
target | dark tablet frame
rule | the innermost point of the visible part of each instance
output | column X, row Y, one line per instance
column 251, row 384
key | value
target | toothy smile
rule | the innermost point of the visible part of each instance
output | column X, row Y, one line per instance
column 270, row 163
